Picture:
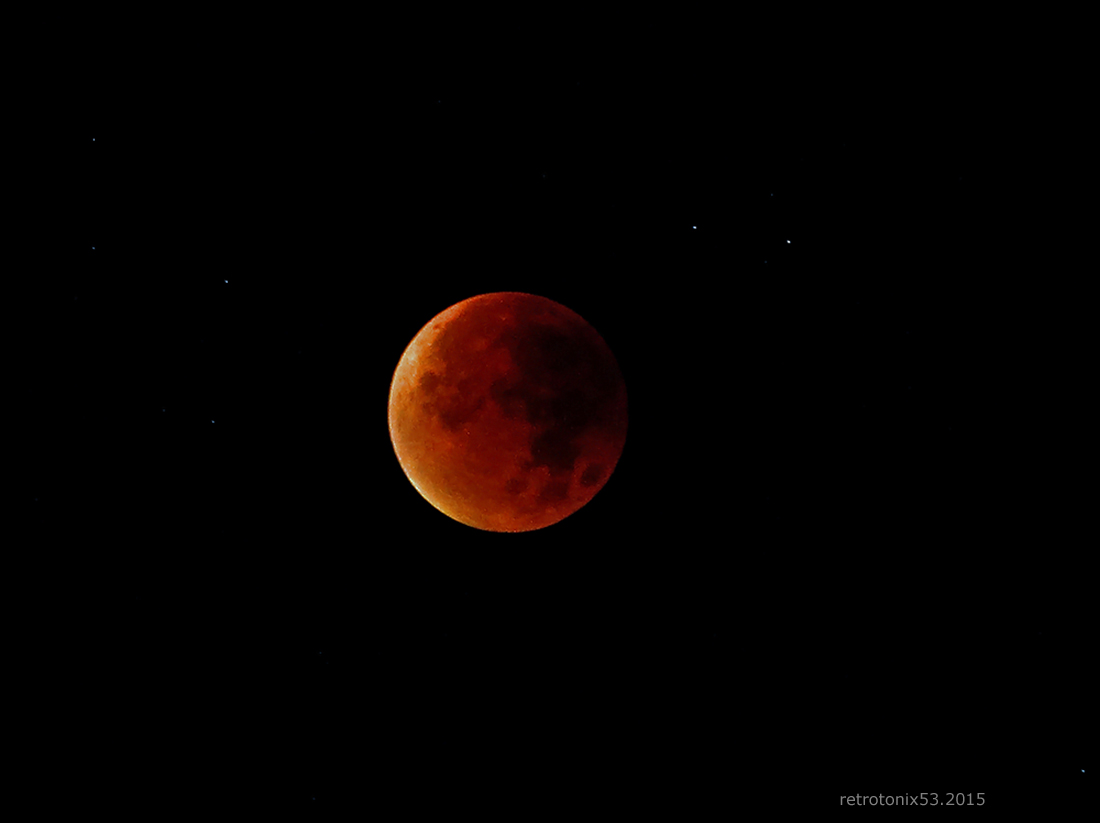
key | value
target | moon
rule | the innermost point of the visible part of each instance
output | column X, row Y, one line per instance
column 508, row 412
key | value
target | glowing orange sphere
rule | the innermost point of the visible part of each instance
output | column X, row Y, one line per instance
column 508, row 412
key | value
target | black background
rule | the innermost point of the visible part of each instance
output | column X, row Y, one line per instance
column 826, row 563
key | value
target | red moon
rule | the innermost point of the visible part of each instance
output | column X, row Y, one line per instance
column 508, row 412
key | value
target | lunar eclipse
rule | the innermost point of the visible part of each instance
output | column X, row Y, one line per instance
column 508, row 412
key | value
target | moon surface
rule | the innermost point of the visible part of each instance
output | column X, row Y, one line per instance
column 508, row 412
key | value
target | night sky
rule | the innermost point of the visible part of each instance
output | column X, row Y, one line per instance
column 809, row 576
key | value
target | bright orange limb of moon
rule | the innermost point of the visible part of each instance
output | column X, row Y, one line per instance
column 508, row 412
